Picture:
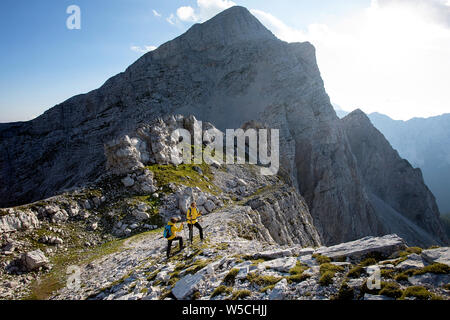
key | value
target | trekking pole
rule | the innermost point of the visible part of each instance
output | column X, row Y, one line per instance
column 186, row 234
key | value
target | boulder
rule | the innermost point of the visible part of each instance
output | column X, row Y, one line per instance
column 430, row 280
column 414, row 261
column 51, row 209
column 279, row 292
column 308, row 260
column 273, row 254
column 128, row 181
column 9, row 247
column 209, row 206
column 60, row 216
column 201, row 200
column 140, row 215
column 201, row 209
column 184, row 203
column 281, row 264
column 18, row 221
column 439, row 255
column 73, row 211
column 124, row 155
column 385, row 246
column 148, row 188
column 34, row 260
column 186, row 286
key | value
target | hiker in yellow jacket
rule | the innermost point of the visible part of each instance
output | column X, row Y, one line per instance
column 173, row 234
column 192, row 219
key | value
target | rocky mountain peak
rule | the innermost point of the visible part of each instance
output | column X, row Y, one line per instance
column 358, row 116
column 236, row 23
column 231, row 26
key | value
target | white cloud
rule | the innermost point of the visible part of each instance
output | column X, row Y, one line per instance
column 171, row 19
column 144, row 49
column 392, row 57
column 186, row 14
column 205, row 10
column 156, row 13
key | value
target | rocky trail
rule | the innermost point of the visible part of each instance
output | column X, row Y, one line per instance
column 227, row 266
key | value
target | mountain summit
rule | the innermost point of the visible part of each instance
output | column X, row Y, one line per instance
column 232, row 25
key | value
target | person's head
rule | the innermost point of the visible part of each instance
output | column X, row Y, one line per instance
column 193, row 204
column 174, row 219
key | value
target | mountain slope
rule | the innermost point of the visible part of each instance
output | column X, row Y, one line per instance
column 228, row 71
column 424, row 143
column 392, row 179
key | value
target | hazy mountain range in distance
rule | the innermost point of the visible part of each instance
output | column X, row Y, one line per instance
column 424, row 143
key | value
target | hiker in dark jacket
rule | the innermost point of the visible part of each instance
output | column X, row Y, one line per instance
column 174, row 237
column 192, row 219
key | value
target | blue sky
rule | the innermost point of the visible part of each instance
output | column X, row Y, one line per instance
column 43, row 63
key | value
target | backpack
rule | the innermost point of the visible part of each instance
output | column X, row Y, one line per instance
column 167, row 231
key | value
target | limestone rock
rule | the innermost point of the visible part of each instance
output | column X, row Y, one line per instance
column 273, row 254
column 279, row 291
column 414, row 261
column 281, row 264
column 128, row 181
column 140, row 215
column 430, row 280
column 34, row 260
column 186, row 286
column 286, row 216
column 60, row 216
column 209, row 206
column 19, row 220
column 385, row 245
column 439, row 255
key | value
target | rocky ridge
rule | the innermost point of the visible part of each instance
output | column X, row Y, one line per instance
column 395, row 188
column 235, row 264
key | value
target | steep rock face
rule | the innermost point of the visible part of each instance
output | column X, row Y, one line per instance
column 392, row 179
column 423, row 142
column 286, row 216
